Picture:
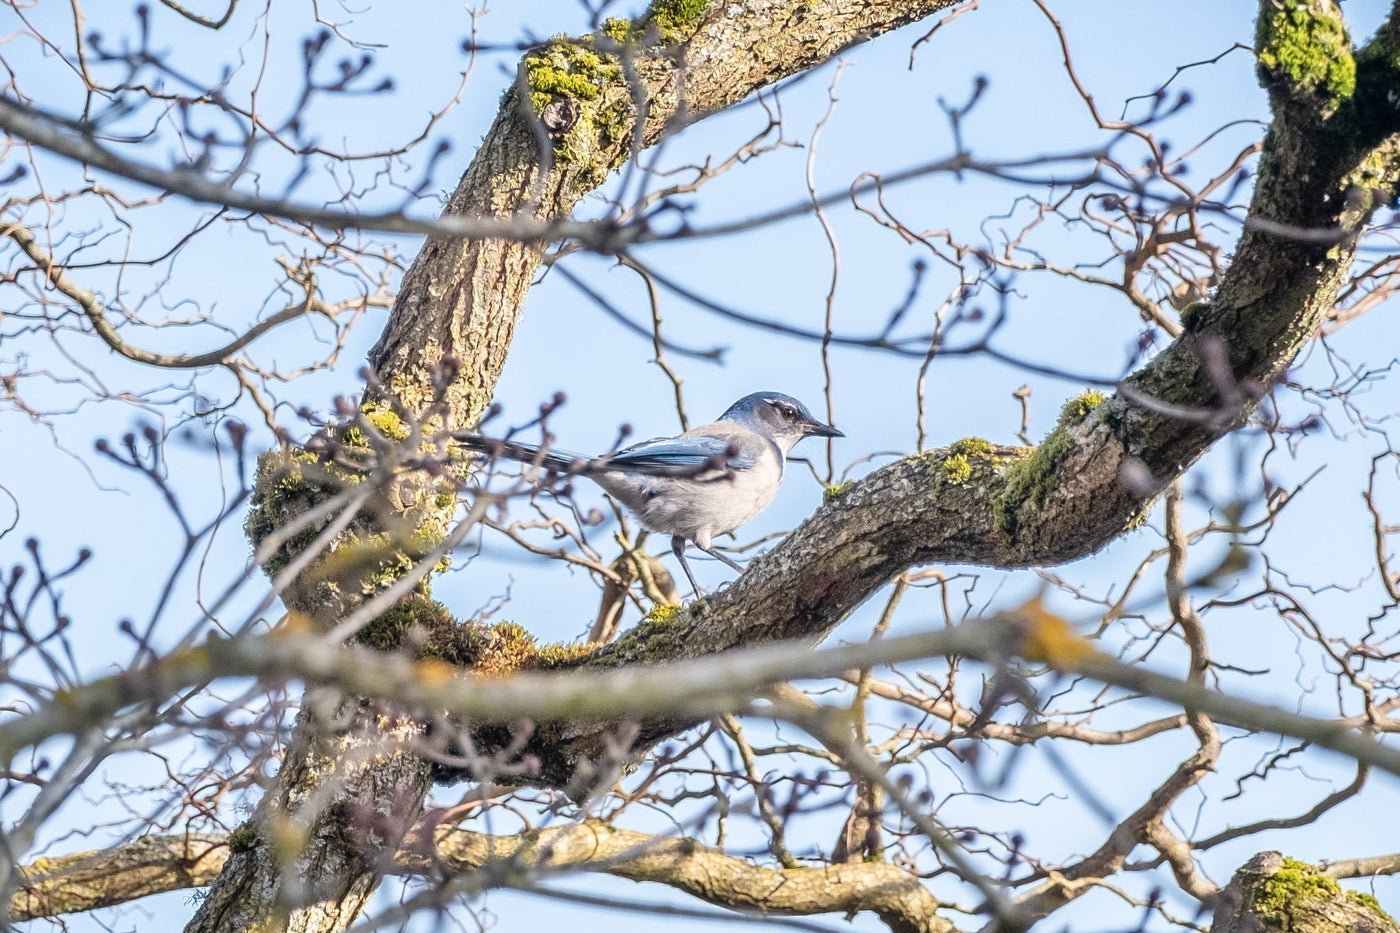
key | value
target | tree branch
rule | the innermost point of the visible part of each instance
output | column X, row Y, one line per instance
column 694, row 689
column 104, row 877
column 96, row 313
column 897, row 897
column 1099, row 472
column 157, row 864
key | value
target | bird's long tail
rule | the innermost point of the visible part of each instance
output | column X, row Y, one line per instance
column 553, row 458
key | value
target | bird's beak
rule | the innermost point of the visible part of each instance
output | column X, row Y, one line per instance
column 817, row 429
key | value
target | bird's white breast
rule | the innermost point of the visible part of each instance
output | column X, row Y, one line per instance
column 700, row 507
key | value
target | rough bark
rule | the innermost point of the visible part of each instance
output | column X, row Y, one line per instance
column 89, row 880
column 1269, row 894
column 344, row 799
column 1272, row 894
column 897, row 897
column 157, row 864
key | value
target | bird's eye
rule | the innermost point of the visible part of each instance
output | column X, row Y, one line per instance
column 788, row 412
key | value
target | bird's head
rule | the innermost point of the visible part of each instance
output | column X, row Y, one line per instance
column 778, row 416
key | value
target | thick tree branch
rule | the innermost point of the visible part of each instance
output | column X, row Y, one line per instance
column 898, row 898
column 105, row 877
column 1273, row 894
column 157, row 864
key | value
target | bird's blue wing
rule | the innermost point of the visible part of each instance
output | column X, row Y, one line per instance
column 678, row 455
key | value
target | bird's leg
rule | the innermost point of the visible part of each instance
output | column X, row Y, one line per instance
column 716, row 554
column 678, row 547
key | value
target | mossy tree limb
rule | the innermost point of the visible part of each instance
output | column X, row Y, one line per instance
column 1274, row 894
column 347, row 793
column 89, row 880
column 897, row 897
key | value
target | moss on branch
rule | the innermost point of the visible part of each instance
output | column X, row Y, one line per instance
column 428, row 631
column 377, row 546
column 963, row 457
column 1297, row 886
column 1304, row 51
column 1031, row 478
column 572, row 68
column 675, row 20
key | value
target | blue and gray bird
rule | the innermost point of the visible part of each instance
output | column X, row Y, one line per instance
column 703, row 483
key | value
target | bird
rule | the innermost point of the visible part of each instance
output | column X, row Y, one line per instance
column 705, row 482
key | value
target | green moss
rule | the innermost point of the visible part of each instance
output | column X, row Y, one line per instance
column 1079, row 407
column 1369, row 902
column 957, row 469
column 386, row 421
column 417, row 395
column 426, row 629
column 570, row 68
column 974, row 448
column 1193, row 314
column 621, row 31
column 674, row 20
column 288, row 483
column 422, row 624
column 662, row 615
column 670, row 22
column 1295, row 882
column 612, row 124
column 507, row 648
column 962, row 455
column 1365, row 900
column 378, row 546
column 243, row 839
column 661, row 634
column 586, row 72
column 1031, row 478
column 1304, row 49
column 836, row 491
column 563, row 655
